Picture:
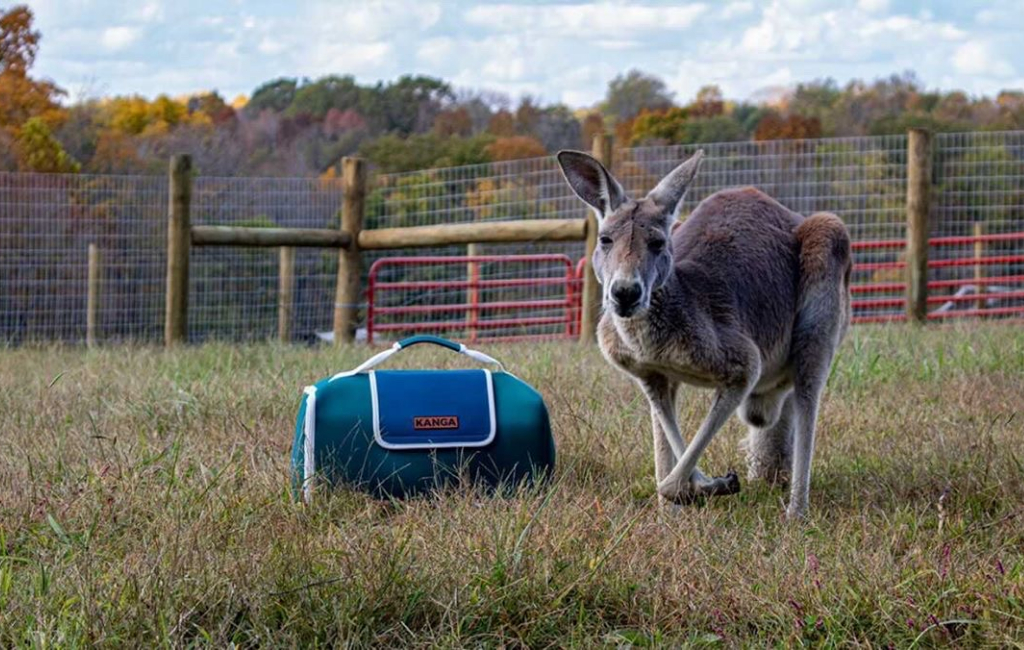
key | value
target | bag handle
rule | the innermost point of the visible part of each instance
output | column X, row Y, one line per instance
column 380, row 357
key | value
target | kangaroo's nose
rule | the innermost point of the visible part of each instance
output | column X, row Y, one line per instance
column 626, row 295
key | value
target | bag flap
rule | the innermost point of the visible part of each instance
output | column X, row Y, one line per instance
column 427, row 409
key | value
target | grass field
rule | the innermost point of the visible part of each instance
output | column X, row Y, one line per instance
column 144, row 501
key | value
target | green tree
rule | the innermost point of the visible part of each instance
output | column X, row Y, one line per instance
column 408, row 105
column 392, row 153
column 633, row 92
column 316, row 99
column 39, row 151
column 659, row 126
column 276, row 95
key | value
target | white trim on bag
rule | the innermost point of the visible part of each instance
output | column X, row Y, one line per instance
column 435, row 445
column 309, row 444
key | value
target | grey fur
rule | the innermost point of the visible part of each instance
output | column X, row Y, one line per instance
column 744, row 297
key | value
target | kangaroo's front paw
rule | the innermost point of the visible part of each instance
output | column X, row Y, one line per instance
column 679, row 493
column 722, row 485
column 699, row 486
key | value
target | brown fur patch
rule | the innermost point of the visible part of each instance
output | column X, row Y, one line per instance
column 824, row 246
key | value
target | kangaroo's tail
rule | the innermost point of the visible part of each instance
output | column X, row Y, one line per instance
column 825, row 267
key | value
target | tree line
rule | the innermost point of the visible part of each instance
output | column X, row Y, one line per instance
column 302, row 127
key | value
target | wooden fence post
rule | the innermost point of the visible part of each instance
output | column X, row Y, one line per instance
column 979, row 269
column 285, row 293
column 919, row 178
column 472, row 292
column 350, row 260
column 178, row 244
column 92, row 306
column 590, row 302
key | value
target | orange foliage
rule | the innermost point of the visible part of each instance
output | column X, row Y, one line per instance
column 22, row 97
column 793, row 127
column 503, row 124
column 453, row 122
column 18, row 43
column 708, row 103
column 624, row 130
column 515, row 148
column 116, row 153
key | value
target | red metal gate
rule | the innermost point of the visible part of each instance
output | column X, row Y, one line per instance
column 997, row 292
column 540, row 300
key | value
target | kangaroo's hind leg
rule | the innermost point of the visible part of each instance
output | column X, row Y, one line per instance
column 771, row 420
column 822, row 318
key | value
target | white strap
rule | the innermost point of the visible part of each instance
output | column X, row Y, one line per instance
column 480, row 356
column 309, row 444
column 380, row 357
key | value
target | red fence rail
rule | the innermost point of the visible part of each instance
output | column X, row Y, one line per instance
column 527, row 317
column 997, row 288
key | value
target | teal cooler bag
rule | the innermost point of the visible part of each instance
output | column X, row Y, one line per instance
column 403, row 432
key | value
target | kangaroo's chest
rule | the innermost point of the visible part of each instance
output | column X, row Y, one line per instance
column 634, row 347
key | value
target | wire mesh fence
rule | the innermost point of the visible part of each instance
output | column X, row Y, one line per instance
column 48, row 221
column 978, row 219
column 233, row 291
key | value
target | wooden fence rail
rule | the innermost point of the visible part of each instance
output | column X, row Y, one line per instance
column 350, row 240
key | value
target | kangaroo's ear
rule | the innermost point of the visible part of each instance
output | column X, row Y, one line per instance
column 669, row 193
column 591, row 182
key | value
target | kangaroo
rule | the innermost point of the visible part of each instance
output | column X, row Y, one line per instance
column 744, row 297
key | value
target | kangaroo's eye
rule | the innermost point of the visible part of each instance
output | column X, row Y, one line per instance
column 605, row 240
column 656, row 245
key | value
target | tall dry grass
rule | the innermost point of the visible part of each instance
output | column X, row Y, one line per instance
column 144, row 501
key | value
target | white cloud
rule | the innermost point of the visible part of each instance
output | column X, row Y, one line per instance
column 269, row 45
column 149, row 12
column 436, row 51
column 618, row 44
column 977, row 58
column 118, row 38
column 369, row 21
column 583, row 20
column 873, row 6
column 736, row 9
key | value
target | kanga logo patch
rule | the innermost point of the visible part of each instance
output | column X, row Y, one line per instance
column 435, row 422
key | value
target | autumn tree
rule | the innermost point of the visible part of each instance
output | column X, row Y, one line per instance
column 793, row 127
column 707, row 103
column 528, row 115
column 502, row 124
column 18, row 41
column 453, row 122
column 515, row 148
column 22, row 97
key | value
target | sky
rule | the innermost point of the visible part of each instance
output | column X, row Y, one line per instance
column 557, row 52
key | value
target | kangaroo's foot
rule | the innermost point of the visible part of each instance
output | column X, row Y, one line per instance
column 700, row 486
